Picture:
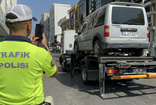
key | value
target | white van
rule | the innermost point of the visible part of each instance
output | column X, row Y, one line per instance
column 116, row 27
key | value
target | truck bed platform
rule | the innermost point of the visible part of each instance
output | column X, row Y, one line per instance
column 104, row 59
column 125, row 63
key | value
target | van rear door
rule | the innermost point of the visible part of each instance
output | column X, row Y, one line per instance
column 128, row 24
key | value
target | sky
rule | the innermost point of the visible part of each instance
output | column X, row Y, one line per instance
column 41, row 6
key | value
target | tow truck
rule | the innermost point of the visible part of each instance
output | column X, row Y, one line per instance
column 96, row 68
column 103, row 68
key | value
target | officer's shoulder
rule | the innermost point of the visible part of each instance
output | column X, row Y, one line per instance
column 38, row 48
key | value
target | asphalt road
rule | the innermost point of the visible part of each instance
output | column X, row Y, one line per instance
column 71, row 91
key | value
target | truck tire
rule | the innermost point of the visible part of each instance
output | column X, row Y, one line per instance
column 84, row 74
column 64, row 69
column 60, row 60
column 97, row 48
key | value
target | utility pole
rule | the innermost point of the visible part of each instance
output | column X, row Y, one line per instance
column 151, row 11
column 154, row 12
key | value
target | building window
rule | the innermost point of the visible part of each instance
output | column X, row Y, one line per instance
column 82, row 13
column 98, row 4
column 72, row 19
column 90, row 6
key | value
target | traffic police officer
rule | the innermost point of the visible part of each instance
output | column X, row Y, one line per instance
column 21, row 62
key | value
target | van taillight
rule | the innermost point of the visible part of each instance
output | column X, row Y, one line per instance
column 147, row 32
column 106, row 31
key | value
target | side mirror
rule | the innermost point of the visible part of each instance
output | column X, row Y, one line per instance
column 78, row 32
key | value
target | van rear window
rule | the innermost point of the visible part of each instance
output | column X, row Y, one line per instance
column 130, row 16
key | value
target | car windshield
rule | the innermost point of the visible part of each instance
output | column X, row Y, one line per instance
column 127, row 15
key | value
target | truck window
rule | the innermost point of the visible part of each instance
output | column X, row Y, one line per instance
column 130, row 16
column 100, row 18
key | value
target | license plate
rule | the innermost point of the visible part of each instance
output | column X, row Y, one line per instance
column 139, row 70
column 126, row 33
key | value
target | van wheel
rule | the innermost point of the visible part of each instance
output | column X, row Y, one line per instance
column 76, row 48
column 97, row 48
column 84, row 74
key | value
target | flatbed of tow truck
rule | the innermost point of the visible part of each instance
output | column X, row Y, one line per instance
column 101, row 68
column 138, row 67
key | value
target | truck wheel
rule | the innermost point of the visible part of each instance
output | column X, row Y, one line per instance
column 97, row 48
column 84, row 74
column 60, row 60
column 64, row 69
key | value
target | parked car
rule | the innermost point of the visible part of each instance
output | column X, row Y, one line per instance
column 115, row 27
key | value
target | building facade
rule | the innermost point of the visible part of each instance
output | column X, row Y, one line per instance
column 82, row 11
column 57, row 12
column 99, row 3
column 64, row 23
column 45, row 22
column 73, row 20
column 85, row 7
column 4, row 4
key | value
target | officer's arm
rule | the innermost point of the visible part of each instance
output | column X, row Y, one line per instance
column 56, row 73
column 45, row 44
column 53, row 63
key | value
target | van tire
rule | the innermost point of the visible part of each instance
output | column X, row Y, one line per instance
column 97, row 48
